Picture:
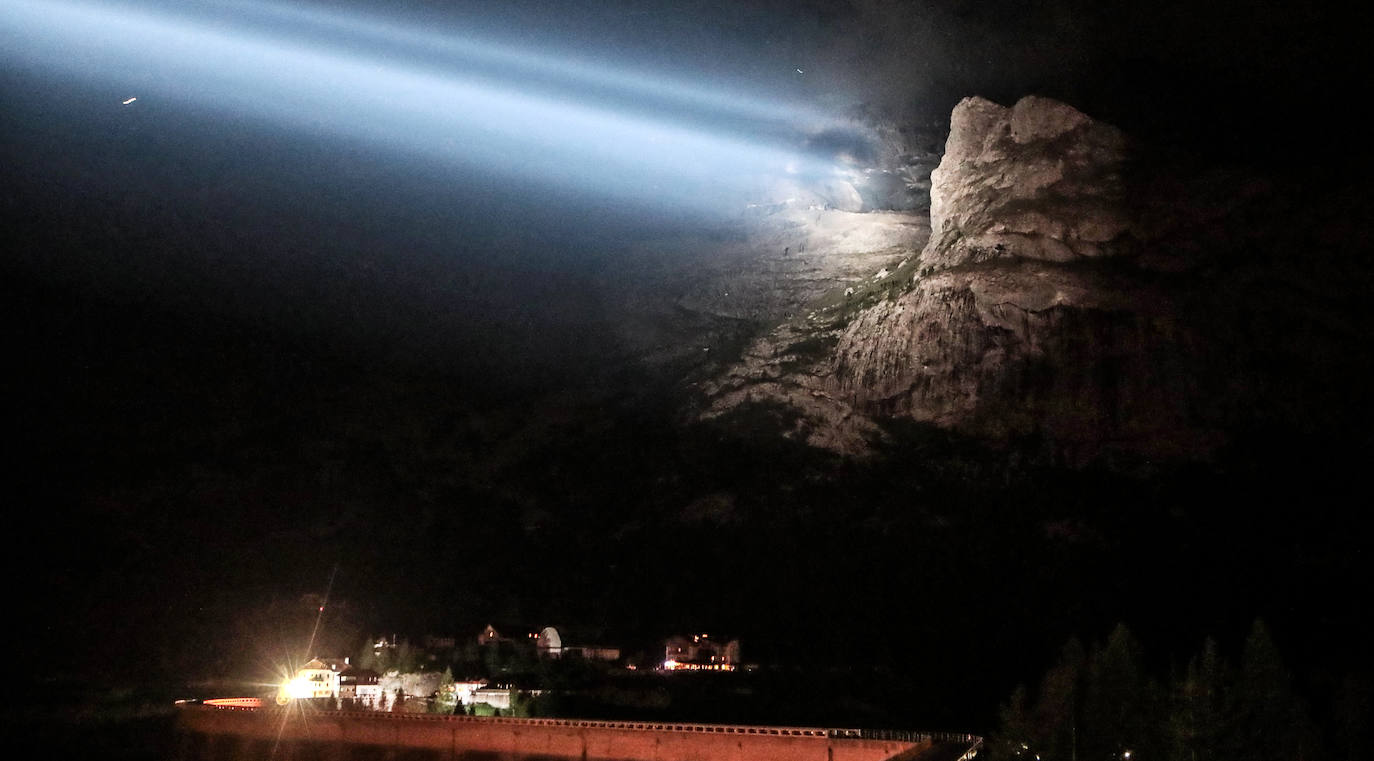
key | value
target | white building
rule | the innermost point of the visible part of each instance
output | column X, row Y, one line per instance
column 466, row 691
column 314, row 680
column 550, row 644
column 360, row 687
column 496, row 697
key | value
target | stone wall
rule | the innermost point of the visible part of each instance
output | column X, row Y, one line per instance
column 211, row 734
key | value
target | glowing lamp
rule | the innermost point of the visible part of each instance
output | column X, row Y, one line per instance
column 299, row 688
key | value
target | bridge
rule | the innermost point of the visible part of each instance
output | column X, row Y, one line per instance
column 230, row 730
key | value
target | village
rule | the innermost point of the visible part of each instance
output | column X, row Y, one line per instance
column 533, row 672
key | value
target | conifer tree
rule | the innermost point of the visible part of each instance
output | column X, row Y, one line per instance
column 1268, row 721
column 1120, row 707
column 1351, row 713
column 446, row 698
column 1199, row 709
column 1046, row 730
column 1058, row 712
column 1015, row 727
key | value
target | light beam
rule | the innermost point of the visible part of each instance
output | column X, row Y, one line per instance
column 467, row 103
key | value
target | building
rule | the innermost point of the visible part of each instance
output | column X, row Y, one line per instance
column 550, row 643
column 699, row 652
column 496, row 697
column 501, row 696
column 490, row 636
column 466, row 691
column 385, row 644
column 313, row 680
column 360, row 688
column 335, row 664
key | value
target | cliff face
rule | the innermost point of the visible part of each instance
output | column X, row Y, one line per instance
column 1017, row 323
column 1074, row 292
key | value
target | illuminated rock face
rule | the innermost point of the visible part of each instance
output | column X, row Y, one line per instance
column 1076, row 296
column 1037, row 181
column 1014, row 324
column 1006, row 322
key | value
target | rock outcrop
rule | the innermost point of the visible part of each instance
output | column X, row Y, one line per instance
column 1014, row 324
column 1039, row 181
column 1068, row 293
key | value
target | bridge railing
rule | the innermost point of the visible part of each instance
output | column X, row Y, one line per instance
column 650, row 726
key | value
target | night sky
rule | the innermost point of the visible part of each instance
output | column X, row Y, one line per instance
column 263, row 322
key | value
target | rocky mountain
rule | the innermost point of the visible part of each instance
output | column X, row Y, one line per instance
column 1104, row 299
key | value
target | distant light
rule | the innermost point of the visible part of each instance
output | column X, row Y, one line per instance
column 130, row 100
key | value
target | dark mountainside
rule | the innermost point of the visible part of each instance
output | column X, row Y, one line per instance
column 245, row 358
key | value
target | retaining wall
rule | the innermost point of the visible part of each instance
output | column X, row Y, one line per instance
column 232, row 733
